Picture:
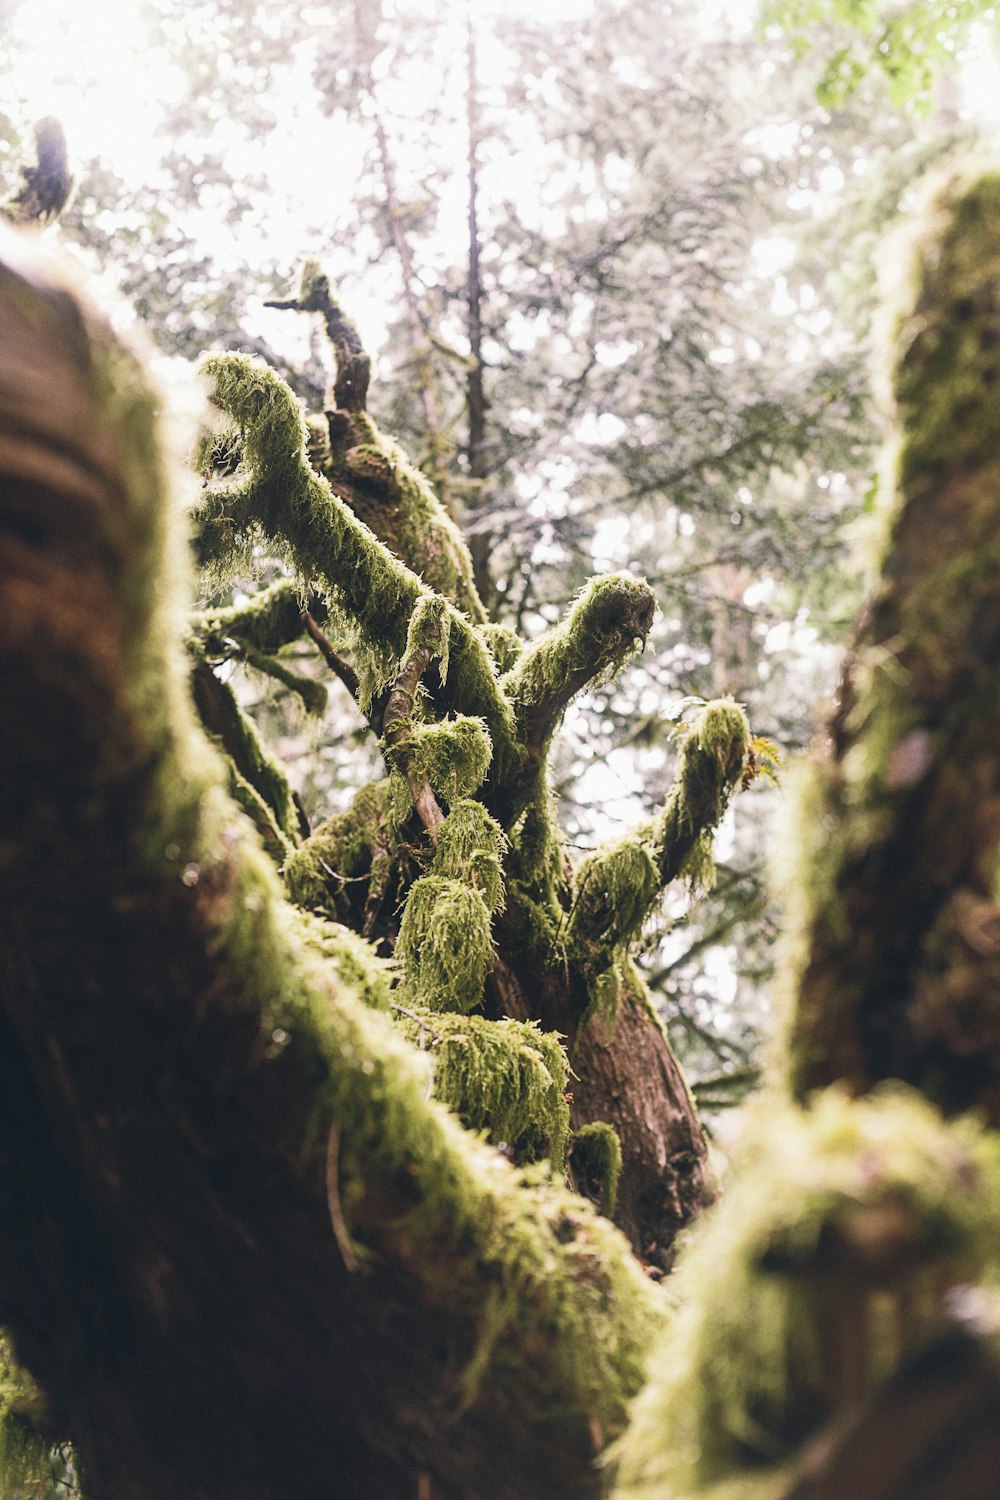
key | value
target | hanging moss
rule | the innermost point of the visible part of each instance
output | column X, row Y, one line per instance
column 615, row 890
column 445, row 945
column 713, row 754
column 505, row 1078
column 268, row 620
column 843, row 1229
column 596, row 1159
column 309, row 690
column 45, row 188
column 454, row 755
column 504, row 645
column 429, row 631
column 470, row 847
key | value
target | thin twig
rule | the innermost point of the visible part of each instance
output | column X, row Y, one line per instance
column 334, row 661
column 337, row 1221
column 412, row 1015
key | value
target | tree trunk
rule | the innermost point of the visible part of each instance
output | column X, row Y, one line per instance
column 241, row 1252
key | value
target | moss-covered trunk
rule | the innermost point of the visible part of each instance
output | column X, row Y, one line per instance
column 240, row 1250
column 838, row 1334
column 469, row 711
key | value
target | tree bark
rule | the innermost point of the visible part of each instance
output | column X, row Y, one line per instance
column 241, row 1252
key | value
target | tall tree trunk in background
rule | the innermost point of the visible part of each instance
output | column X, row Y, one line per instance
column 480, row 541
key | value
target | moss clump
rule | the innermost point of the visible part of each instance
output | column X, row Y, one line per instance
column 471, row 846
column 505, row 1078
column 354, row 960
column 429, row 631
column 454, row 755
column 607, row 623
column 616, row 889
column 844, row 1227
column 322, row 874
column 596, row 1159
column 268, row 620
column 713, row 755
column 504, row 645
column 445, row 945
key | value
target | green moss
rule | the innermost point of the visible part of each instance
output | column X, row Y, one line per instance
column 504, row 645
column 261, row 815
column 596, row 1158
column 608, row 622
column 429, row 631
column 445, row 945
column 470, row 847
column 320, row 873
column 268, row 620
column 311, row 692
column 844, row 1227
column 619, row 887
column 238, row 737
column 713, row 755
column 615, row 891
column 454, row 755
column 354, row 960
column 507, row 1079
column 276, row 496
column 391, row 494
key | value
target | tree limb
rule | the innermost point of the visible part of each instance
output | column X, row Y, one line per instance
column 173, row 1064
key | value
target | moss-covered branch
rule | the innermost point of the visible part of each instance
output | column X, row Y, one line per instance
column 206, row 1118
column 830, row 1261
column 276, row 494
column 897, row 956
column 267, row 621
column 353, row 367
column 618, row 888
column 607, row 623
column 254, row 765
column 383, row 488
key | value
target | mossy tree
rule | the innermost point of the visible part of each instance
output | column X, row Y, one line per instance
column 243, row 1252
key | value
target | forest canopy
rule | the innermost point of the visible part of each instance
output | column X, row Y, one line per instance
column 406, row 635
